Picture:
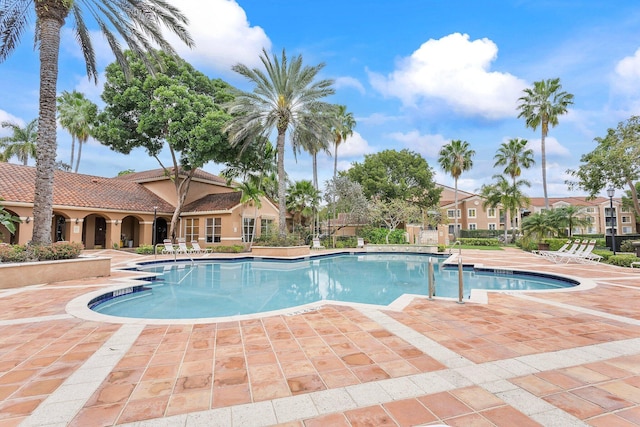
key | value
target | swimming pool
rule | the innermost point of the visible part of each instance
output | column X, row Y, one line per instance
column 246, row 286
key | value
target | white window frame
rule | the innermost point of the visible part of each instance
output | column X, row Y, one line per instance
column 191, row 229
column 247, row 229
column 492, row 226
column 213, row 233
column 473, row 226
column 472, row 213
column 491, row 212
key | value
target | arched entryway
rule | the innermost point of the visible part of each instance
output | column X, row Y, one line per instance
column 161, row 230
column 5, row 234
column 94, row 232
column 59, row 228
column 130, row 231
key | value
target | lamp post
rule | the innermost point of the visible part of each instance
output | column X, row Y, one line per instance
column 610, row 193
column 153, row 237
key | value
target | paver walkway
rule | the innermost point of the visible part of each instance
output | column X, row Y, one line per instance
column 551, row 359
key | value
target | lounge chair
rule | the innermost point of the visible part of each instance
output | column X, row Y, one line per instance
column 182, row 247
column 584, row 255
column 567, row 256
column 553, row 256
column 316, row 244
column 360, row 243
column 196, row 249
column 168, row 247
column 562, row 249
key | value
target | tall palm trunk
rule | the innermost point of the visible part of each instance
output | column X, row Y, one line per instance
column 73, row 149
column 544, row 170
column 282, row 185
column 79, row 154
column 455, row 210
column 51, row 16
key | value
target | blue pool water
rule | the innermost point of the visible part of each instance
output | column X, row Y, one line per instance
column 233, row 287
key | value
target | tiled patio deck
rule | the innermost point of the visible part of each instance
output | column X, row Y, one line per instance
column 551, row 359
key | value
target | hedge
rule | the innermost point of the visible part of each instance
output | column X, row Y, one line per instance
column 56, row 251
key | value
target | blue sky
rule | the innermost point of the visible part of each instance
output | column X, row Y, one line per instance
column 415, row 74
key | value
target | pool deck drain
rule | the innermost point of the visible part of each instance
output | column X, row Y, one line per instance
column 532, row 359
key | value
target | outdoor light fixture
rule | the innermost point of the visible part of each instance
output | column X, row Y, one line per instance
column 117, row 222
column 77, row 220
column 28, row 220
column 610, row 192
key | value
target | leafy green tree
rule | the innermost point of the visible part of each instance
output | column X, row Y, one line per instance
column 21, row 144
column 288, row 97
column 346, row 196
column 454, row 158
column 540, row 107
column 392, row 174
column 393, row 213
column 514, row 156
column 342, row 129
column 177, row 109
column 139, row 23
column 505, row 194
column 302, row 199
column 614, row 162
column 77, row 115
column 540, row 225
column 568, row 217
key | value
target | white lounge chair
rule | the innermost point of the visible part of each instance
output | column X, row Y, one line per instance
column 182, row 247
column 196, row 249
column 554, row 255
column 360, row 243
column 567, row 256
column 168, row 247
column 584, row 255
column 316, row 244
column 562, row 249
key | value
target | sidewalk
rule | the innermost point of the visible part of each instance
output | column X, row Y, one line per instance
column 551, row 359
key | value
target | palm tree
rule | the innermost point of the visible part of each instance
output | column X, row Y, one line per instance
column 21, row 144
column 251, row 193
column 343, row 128
column 139, row 23
column 571, row 216
column 76, row 114
column 455, row 158
column 302, row 199
column 540, row 106
column 514, row 156
column 287, row 97
column 509, row 196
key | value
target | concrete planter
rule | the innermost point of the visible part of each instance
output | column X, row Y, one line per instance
column 14, row 275
column 280, row 251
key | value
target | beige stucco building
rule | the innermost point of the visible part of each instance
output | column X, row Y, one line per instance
column 124, row 211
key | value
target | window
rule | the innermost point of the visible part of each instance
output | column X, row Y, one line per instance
column 191, row 229
column 492, row 226
column 214, row 230
column 247, row 229
column 266, row 225
column 627, row 230
column 591, row 209
column 607, row 212
column 452, row 212
column 471, row 213
column 626, row 219
column 452, row 228
column 625, row 209
column 472, row 227
column 491, row 212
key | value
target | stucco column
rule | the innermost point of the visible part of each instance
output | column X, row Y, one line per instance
column 74, row 229
column 145, row 236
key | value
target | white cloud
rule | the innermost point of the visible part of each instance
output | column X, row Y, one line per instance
column 349, row 82
column 426, row 145
column 628, row 72
column 456, row 71
column 7, row 117
column 552, row 147
column 222, row 34
column 354, row 146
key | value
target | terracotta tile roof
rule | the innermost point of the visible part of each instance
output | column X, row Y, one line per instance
column 160, row 174
column 17, row 184
column 214, row 202
column 575, row 201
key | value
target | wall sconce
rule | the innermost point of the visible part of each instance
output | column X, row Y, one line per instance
column 77, row 220
column 117, row 222
column 28, row 220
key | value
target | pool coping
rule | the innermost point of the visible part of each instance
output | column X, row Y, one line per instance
column 79, row 306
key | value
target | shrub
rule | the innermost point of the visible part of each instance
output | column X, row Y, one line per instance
column 377, row 236
column 627, row 246
column 274, row 239
column 145, row 250
column 58, row 250
column 623, row 260
column 227, row 249
column 476, row 241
